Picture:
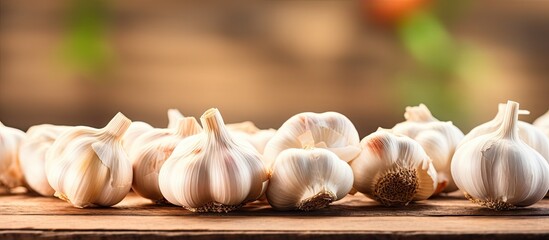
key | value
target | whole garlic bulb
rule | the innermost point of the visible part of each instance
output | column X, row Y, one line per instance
column 498, row 170
column 308, row 179
column 330, row 130
column 543, row 123
column 148, row 161
column 32, row 156
column 438, row 139
column 212, row 171
column 393, row 169
column 255, row 136
column 88, row 167
column 527, row 132
column 10, row 171
column 138, row 128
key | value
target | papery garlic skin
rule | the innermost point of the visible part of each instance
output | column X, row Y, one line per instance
column 148, row 161
column 438, row 139
column 10, row 171
column 528, row 133
column 308, row 179
column 89, row 167
column 32, row 156
column 174, row 116
column 330, row 130
column 212, row 171
column 498, row 170
column 255, row 136
column 393, row 169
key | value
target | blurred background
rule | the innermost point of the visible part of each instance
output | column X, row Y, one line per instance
column 79, row 62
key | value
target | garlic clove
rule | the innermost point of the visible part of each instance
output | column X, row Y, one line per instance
column 393, row 169
column 308, row 179
column 89, row 167
column 212, row 171
column 500, row 171
column 11, row 175
column 32, row 156
column 148, row 161
column 438, row 139
column 331, row 130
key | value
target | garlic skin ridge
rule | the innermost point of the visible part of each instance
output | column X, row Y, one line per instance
column 330, row 130
column 527, row 132
column 11, row 175
column 32, row 156
column 393, row 169
column 308, row 179
column 438, row 139
column 212, row 171
column 149, row 159
column 498, row 170
column 89, row 167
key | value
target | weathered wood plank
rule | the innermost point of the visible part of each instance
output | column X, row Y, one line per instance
column 358, row 205
column 24, row 216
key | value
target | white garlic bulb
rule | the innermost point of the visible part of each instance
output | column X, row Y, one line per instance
column 32, row 156
column 138, row 128
column 393, row 169
column 88, row 167
column 542, row 123
column 148, row 161
column 308, row 179
column 438, row 139
column 255, row 136
column 10, row 171
column 527, row 132
column 212, row 171
column 498, row 170
column 330, row 130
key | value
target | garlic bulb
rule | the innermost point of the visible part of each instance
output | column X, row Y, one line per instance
column 330, row 130
column 138, row 128
column 438, row 139
column 32, row 156
column 10, row 172
column 148, row 161
column 87, row 166
column 498, row 170
column 393, row 169
column 255, row 136
column 212, row 171
column 308, row 179
column 527, row 132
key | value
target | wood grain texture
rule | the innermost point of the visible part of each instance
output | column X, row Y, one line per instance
column 28, row 217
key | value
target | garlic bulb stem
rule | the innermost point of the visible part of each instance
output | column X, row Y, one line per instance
column 117, row 126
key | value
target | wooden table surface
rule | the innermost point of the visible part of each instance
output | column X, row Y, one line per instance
column 24, row 216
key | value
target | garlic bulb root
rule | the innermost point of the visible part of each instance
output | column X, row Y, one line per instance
column 393, row 169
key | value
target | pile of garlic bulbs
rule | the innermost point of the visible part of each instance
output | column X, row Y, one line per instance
column 311, row 161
